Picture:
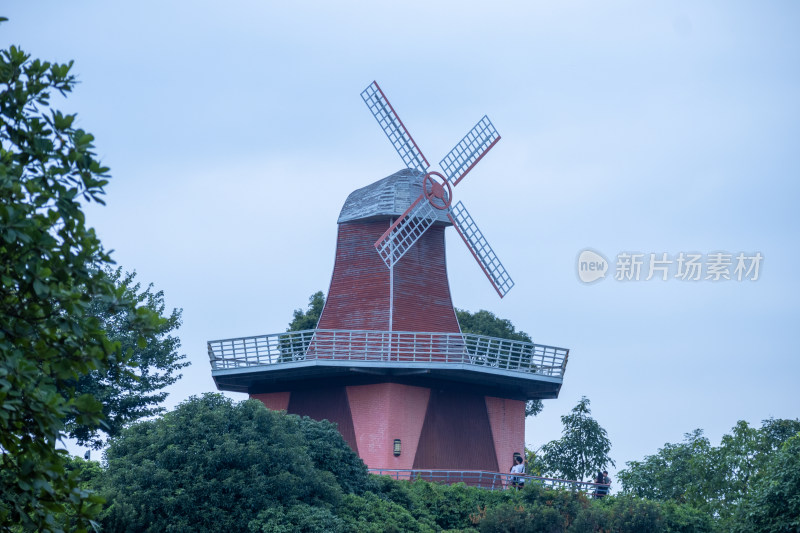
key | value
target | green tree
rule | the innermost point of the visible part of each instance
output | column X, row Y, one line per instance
column 372, row 514
column 773, row 504
column 776, row 431
column 715, row 480
column 486, row 323
column 50, row 272
column 299, row 518
column 534, row 464
column 324, row 447
column 134, row 392
column 742, row 458
column 294, row 346
column 633, row 515
column 685, row 518
column 308, row 319
column 215, row 465
column 583, row 447
column 679, row 472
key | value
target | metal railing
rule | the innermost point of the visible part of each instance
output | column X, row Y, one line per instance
column 388, row 346
column 487, row 480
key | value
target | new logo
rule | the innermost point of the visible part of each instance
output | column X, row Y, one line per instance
column 591, row 266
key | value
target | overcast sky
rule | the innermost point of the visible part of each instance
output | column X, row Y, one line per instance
column 235, row 131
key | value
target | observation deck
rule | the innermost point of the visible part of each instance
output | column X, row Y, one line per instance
column 305, row 359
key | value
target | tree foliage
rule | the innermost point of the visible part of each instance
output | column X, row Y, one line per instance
column 583, row 447
column 134, row 392
column 534, row 463
column 773, row 504
column 215, row 465
column 713, row 479
column 486, row 323
column 308, row 319
column 51, row 272
column 540, row 510
column 678, row 472
column 212, row 465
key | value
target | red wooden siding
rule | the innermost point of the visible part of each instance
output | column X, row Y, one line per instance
column 421, row 290
column 358, row 297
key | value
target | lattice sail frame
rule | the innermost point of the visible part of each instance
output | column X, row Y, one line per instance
column 394, row 128
column 469, row 150
column 480, row 249
column 421, row 215
column 402, row 235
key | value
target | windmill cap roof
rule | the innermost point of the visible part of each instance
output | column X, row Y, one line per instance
column 386, row 198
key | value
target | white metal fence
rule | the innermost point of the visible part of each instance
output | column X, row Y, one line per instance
column 390, row 347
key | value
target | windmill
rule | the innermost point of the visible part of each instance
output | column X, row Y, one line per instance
column 388, row 361
column 437, row 190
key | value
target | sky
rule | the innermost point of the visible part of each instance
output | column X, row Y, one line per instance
column 234, row 132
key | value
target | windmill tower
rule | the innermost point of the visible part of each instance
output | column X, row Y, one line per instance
column 387, row 361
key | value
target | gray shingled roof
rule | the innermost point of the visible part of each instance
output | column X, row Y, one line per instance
column 386, row 198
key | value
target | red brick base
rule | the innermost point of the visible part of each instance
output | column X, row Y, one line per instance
column 507, row 419
column 382, row 413
column 437, row 429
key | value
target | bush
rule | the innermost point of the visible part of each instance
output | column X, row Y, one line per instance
column 521, row 518
column 372, row 514
column 634, row 515
column 213, row 465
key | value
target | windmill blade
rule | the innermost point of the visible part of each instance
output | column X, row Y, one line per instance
column 480, row 249
column 406, row 230
column 394, row 128
column 469, row 150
